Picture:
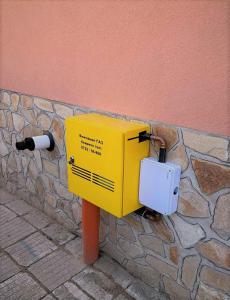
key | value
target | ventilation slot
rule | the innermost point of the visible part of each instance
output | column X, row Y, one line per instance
column 83, row 173
column 103, row 182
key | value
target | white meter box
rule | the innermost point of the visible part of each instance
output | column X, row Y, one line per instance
column 159, row 185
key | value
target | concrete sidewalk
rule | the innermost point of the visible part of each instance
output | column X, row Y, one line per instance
column 40, row 259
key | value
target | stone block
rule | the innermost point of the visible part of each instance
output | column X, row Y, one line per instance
column 4, row 100
column 8, row 268
column 50, row 168
column 44, row 121
column 188, row 234
column 221, row 224
column 130, row 249
column 63, row 171
column 9, row 120
column 152, row 243
column 216, row 252
column 174, row 254
column 63, row 111
column 26, row 102
column 12, row 163
column 18, row 122
column 14, row 102
column 62, row 191
column 70, row 291
column 178, row 156
column 2, row 119
column 135, row 222
column 31, row 130
column 14, row 231
column 30, row 116
column 174, row 290
column 114, row 252
column 161, row 230
column 58, row 130
column 189, row 270
column 169, row 134
column 206, row 293
column 32, row 169
column 65, row 220
column 203, row 143
column 126, row 232
column 144, row 273
column 77, row 212
column 161, row 266
column 3, row 147
column 215, row 279
column 51, row 199
column 7, row 136
column 114, row 270
column 211, row 177
column 58, row 234
column 190, row 202
column 31, row 249
column 21, row 286
column 43, row 104
column 96, row 284
column 55, row 269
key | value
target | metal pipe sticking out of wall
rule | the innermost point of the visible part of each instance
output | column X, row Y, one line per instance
column 40, row 142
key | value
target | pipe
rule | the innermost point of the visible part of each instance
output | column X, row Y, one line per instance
column 45, row 141
column 90, row 228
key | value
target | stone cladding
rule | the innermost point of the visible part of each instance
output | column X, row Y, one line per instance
column 187, row 254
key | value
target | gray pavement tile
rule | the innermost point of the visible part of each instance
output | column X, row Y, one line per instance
column 58, row 233
column 48, row 297
column 21, row 286
column 96, row 284
column 37, row 219
column 69, row 291
column 123, row 297
column 31, row 249
column 113, row 269
column 141, row 291
column 7, row 267
column 19, row 207
column 75, row 248
column 6, row 197
column 13, row 231
column 6, row 215
column 56, row 268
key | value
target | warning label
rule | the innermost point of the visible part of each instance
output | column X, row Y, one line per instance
column 91, row 145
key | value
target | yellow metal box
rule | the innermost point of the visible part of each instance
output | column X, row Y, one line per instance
column 104, row 157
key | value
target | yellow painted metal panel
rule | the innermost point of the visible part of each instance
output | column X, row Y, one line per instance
column 133, row 154
column 102, row 159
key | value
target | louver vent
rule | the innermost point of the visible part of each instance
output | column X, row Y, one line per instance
column 94, row 178
column 103, row 182
column 83, row 173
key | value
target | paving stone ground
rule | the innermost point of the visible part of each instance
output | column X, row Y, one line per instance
column 40, row 259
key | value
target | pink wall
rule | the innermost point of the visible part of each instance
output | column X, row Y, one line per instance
column 161, row 60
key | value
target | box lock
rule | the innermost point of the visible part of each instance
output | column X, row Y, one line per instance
column 71, row 160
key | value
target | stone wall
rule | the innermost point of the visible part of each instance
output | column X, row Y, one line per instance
column 187, row 254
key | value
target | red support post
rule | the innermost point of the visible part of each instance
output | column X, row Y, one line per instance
column 90, row 227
